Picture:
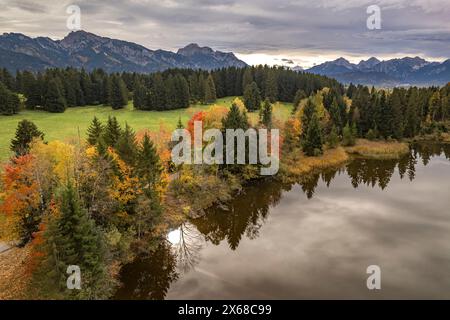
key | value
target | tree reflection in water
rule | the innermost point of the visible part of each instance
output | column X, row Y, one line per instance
column 151, row 277
column 247, row 213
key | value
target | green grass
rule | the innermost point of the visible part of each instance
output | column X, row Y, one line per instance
column 64, row 126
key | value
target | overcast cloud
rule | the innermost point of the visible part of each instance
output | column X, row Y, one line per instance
column 304, row 31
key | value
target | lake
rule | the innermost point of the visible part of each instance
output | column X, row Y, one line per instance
column 314, row 239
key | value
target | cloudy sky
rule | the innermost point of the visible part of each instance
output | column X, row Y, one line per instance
column 306, row 32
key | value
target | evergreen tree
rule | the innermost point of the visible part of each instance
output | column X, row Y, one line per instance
column 31, row 89
column 308, row 112
column 210, row 90
column 148, row 166
column 252, row 97
column 9, row 101
column 271, row 87
column 265, row 114
column 235, row 119
column 139, row 96
column 26, row 132
column 333, row 138
column 73, row 239
column 54, row 100
column 119, row 93
column 335, row 114
column 95, row 131
column 112, row 132
column 247, row 79
column 397, row 114
column 313, row 143
column 126, row 145
column 349, row 138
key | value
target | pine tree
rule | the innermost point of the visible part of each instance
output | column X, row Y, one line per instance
column 148, row 165
column 349, row 138
column 309, row 111
column 235, row 119
column 335, row 114
column 112, row 132
column 126, row 145
column 95, row 131
column 265, row 114
column 313, row 144
column 139, row 96
column 9, row 101
column 252, row 97
column 247, row 78
column 73, row 239
column 271, row 87
column 54, row 100
column 25, row 133
column 333, row 138
column 119, row 93
column 210, row 90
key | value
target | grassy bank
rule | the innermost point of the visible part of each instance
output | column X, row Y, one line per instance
column 382, row 150
column 75, row 121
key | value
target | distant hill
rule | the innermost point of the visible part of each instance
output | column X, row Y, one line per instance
column 86, row 50
column 395, row 72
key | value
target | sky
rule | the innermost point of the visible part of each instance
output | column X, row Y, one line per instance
column 284, row 32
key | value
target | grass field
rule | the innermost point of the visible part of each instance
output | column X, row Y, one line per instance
column 66, row 125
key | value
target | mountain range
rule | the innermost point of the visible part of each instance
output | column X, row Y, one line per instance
column 395, row 72
column 82, row 49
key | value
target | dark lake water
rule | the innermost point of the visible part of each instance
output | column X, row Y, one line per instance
column 314, row 239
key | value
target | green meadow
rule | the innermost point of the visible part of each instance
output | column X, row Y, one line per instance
column 75, row 121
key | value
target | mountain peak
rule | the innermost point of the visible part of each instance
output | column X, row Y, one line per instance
column 193, row 49
column 82, row 49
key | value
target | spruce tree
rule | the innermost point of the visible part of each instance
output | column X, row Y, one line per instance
column 210, row 90
column 349, row 138
column 313, row 143
column 54, row 100
column 148, row 165
column 9, row 101
column 235, row 119
column 126, row 145
column 73, row 239
column 139, row 96
column 95, row 131
column 119, row 93
column 25, row 133
column 333, row 138
column 308, row 112
column 112, row 132
column 271, row 87
column 252, row 97
column 266, row 114
column 247, row 78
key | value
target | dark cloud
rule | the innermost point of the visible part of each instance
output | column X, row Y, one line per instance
column 289, row 27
